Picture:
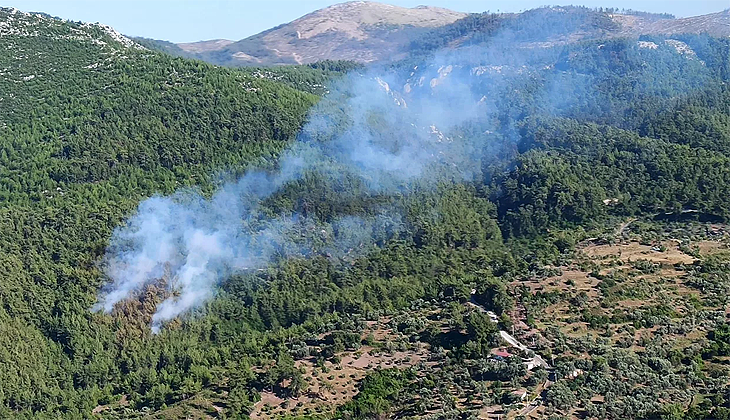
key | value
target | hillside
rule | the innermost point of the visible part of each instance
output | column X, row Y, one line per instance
column 505, row 223
column 204, row 46
column 91, row 123
column 557, row 26
column 371, row 32
column 360, row 30
column 715, row 24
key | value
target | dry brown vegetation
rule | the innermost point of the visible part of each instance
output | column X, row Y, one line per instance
column 641, row 276
column 636, row 290
column 332, row 384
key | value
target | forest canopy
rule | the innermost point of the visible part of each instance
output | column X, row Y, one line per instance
column 91, row 126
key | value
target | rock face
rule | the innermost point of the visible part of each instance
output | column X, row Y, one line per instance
column 361, row 31
column 715, row 24
column 204, row 46
column 30, row 45
column 16, row 25
column 366, row 32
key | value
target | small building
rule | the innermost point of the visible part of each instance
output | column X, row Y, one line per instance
column 530, row 363
column 493, row 317
column 520, row 394
column 598, row 399
column 500, row 354
column 574, row 374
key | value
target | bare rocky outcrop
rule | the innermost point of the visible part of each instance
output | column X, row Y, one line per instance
column 715, row 24
column 361, row 31
column 366, row 32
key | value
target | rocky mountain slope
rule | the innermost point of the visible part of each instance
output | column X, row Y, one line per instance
column 551, row 26
column 362, row 31
column 370, row 32
column 715, row 24
column 205, row 46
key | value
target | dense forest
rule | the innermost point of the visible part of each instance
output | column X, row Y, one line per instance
column 597, row 153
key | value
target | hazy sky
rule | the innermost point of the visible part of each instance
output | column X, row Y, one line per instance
column 195, row 20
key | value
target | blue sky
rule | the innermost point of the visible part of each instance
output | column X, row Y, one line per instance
column 195, row 20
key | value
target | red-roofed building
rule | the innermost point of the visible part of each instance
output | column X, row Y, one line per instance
column 501, row 353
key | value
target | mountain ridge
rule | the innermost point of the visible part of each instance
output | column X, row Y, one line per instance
column 362, row 31
column 358, row 31
column 716, row 24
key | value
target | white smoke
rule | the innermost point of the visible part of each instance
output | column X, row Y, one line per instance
column 196, row 242
column 365, row 128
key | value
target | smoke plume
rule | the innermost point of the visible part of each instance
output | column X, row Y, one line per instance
column 198, row 241
column 386, row 128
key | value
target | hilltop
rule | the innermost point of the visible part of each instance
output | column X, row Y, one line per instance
column 715, row 24
column 559, row 26
column 363, row 31
column 369, row 32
